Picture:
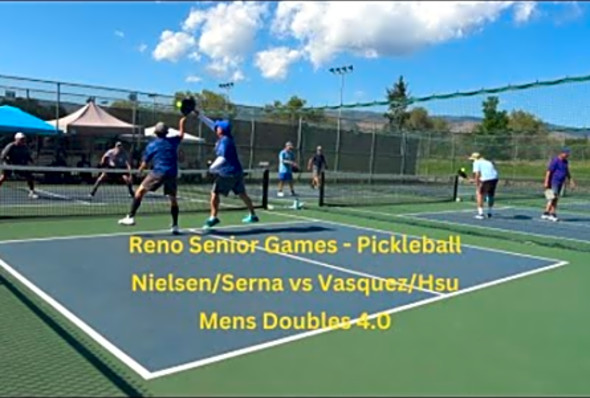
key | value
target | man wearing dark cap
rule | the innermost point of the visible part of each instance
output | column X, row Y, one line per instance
column 557, row 174
column 163, row 154
column 228, row 172
column 115, row 158
column 17, row 153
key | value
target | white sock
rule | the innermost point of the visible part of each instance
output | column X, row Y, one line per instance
column 480, row 210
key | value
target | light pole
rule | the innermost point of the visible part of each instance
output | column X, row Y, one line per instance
column 227, row 86
column 342, row 70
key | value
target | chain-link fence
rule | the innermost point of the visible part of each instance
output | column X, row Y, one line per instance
column 363, row 142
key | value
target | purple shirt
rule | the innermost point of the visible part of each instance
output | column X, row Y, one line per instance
column 559, row 170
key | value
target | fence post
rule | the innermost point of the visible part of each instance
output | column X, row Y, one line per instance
column 402, row 150
column 57, row 105
column 453, row 149
column 252, row 141
column 337, row 149
column 372, row 156
column 299, row 142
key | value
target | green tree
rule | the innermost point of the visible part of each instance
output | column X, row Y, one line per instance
column 494, row 122
column 493, row 134
column 398, row 97
column 528, row 135
column 522, row 122
column 292, row 110
column 440, row 125
column 419, row 120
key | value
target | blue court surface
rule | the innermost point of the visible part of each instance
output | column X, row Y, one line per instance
column 88, row 280
column 572, row 226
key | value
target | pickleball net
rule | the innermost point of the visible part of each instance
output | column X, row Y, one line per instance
column 65, row 191
column 358, row 189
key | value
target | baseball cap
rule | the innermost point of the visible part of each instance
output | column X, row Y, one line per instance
column 224, row 125
column 119, row 143
column 288, row 143
column 475, row 156
column 19, row 136
column 566, row 150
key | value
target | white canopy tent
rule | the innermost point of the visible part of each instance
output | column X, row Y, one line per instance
column 91, row 118
column 150, row 133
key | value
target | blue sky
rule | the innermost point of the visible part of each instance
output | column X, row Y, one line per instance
column 121, row 44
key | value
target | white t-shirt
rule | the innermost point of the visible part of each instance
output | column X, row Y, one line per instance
column 486, row 169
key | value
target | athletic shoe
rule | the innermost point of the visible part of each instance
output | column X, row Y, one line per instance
column 545, row 216
column 175, row 230
column 211, row 221
column 280, row 194
column 553, row 218
column 33, row 195
column 480, row 217
column 489, row 215
column 127, row 221
column 250, row 218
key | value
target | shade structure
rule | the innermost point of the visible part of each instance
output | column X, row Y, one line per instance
column 14, row 119
column 149, row 133
column 91, row 118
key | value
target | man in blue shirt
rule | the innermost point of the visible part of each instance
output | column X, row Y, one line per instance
column 228, row 172
column 555, row 177
column 286, row 167
column 163, row 154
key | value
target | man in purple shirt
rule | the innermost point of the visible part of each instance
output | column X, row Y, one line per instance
column 557, row 173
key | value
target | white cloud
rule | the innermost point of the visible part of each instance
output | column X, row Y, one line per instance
column 194, row 56
column 274, row 62
column 225, row 33
column 237, row 76
column 193, row 79
column 119, row 33
column 173, row 46
column 524, row 11
column 373, row 28
column 142, row 48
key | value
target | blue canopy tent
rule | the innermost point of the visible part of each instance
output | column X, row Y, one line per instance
column 13, row 119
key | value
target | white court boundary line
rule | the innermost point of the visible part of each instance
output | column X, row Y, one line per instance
column 489, row 249
column 486, row 227
column 153, row 231
column 147, row 375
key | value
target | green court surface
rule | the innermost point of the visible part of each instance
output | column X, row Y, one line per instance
column 526, row 336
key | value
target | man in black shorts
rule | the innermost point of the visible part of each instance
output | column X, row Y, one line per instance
column 115, row 158
column 228, row 172
column 17, row 153
column 317, row 164
column 163, row 153
column 486, row 180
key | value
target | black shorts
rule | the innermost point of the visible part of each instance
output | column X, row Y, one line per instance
column 488, row 188
column 223, row 185
column 152, row 182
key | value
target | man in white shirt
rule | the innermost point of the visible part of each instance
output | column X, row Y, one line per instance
column 486, row 180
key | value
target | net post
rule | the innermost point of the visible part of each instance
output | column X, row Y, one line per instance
column 456, row 188
column 322, row 180
column 265, row 185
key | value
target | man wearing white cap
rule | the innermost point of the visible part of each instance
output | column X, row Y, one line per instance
column 486, row 180
column 17, row 153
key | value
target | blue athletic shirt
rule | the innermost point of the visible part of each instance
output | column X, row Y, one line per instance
column 163, row 153
column 559, row 169
column 226, row 147
column 286, row 155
